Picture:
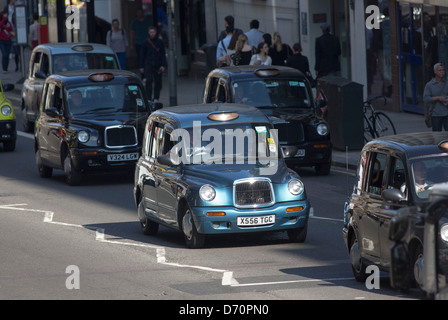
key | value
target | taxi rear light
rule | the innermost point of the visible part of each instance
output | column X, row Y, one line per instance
column 267, row 72
column 294, row 209
column 215, row 214
column 223, row 116
column 100, row 77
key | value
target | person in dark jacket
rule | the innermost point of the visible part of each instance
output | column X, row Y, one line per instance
column 298, row 61
column 153, row 63
column 327, row 51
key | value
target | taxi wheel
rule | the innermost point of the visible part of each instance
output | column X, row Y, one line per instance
column 417, row 263
column 358, row 266
column 298, row 235
column 73, row 176
column 149, row 228
column 44, row 171
column 193, row 239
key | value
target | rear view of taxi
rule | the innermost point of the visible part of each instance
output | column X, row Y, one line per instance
column 216, row 169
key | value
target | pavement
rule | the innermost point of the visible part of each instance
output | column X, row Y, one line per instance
column 190, row 90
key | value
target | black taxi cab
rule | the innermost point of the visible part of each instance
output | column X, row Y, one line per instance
column 49, row 58
column 216, row 169
column 284, row 95
column 8, row 131
column 394, row 174
column 90, row 121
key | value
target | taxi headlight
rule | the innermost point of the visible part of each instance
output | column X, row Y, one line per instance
column 322, row 129
column 444, row 232
column 83, row 136
column 6, row 110
column 207, row 192
column 295, row 187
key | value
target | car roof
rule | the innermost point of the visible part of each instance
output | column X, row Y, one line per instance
column 70, row 47
column 248, row 71
column 184, row 116
column 80, row 76
column 413, row 144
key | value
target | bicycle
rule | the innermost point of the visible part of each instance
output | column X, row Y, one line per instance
column 377, row 124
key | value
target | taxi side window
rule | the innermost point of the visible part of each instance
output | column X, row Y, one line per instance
column 147, row 140
column 396, row 174
column 35, row 63
column 49, row 96
column 211, row 94
column 157, row 140
column 221, row 94
column 376, row 173
column 45, row 64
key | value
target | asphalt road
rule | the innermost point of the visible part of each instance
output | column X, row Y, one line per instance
column 62, row 242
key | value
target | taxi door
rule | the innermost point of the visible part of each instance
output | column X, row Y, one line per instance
column 368, row 229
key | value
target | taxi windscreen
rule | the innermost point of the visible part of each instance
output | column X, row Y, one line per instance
column 278, row 93
column 426, row 172
column 83, row 61
column 110, row 97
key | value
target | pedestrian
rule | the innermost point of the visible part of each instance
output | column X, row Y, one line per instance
column 139, row 32
column 229, row 21
column 34, row 31
column 243, row 51
column 221, row 50
column 226, row 60
column 279, row 51
column 6, row 33
column 299, row 61
column 266, row 38
column 261, row 57
column 435, row 96
column 153, row 63
column 116, row 39
column 327, row 51
column 254, row 35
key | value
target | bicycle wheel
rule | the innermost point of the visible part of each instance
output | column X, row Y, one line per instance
column 383, row 125
column 369, row 132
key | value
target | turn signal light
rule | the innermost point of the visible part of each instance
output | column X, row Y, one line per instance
column 294, row 209
column 215, row 214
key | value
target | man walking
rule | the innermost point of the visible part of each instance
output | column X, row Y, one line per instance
column 327, row 51
column 254, row 35
column 435, row 94
column 153, row 63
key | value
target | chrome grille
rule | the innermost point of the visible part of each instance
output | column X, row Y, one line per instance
column 253, row 192
column 120, row 136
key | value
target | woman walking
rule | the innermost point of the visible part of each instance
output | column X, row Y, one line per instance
column 6, row 33
column 243, row 51
column 261, row 57
column 279, row 52
column 116, row 39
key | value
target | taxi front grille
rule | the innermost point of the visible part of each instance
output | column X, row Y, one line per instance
column 253, row 192
column 120, row 136
column 290, row 132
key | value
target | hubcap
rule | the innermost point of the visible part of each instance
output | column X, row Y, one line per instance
column 67, row 166
column 187, row 225
column 418, row 270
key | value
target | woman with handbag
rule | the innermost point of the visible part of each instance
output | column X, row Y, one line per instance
column 435, row 96
column 6, row 34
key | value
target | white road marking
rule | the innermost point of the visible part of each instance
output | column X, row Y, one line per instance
column 228, row 278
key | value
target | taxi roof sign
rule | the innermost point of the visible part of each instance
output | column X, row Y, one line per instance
column 223, row 116
column 100, row 77
column 443, row 145
column 267, row 72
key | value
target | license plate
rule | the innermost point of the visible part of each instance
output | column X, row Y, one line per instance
column 255, row 221
column 122, row 157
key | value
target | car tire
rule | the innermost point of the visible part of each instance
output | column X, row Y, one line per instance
column 73, row 176
column 27, row 125
column 417, row 264
column 149, row 227
column 44, row 171
column 193, row 239
column 298, row 234
column 9, row 145
column 323, row 169
column 358, row 265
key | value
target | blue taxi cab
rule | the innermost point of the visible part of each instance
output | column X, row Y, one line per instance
column 216, row 169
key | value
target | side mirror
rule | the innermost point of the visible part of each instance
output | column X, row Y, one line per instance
column 393, row 195
column 40, row 75
column 8, row 87
column 320, row 103
column 52, row 112
column 165, row 160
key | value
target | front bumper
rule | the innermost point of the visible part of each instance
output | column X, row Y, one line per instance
column 96, row 160
column 228, row 223
column 310, row 154
column 8, row 130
